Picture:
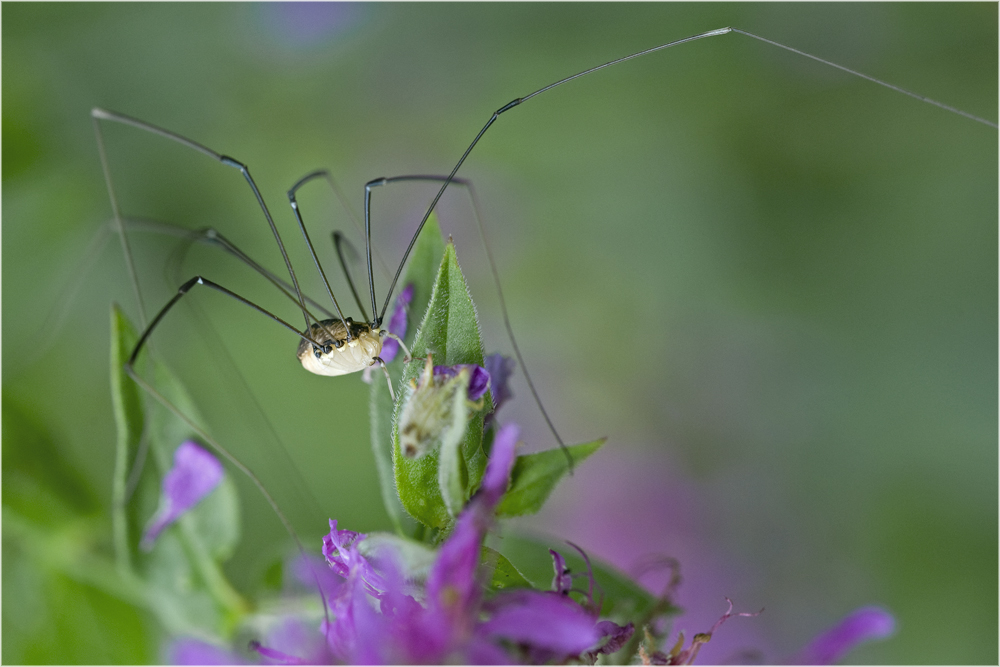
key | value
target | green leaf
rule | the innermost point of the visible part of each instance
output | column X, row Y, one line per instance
column 534, row 476
column 421, row 273
column 129, row 422
column 450, row 332
column 504, row 574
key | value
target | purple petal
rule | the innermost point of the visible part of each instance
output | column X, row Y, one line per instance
column 452, row 588
column 397, row 324
column 542, row 620
column 479, row 378
column 498, row 468
column 500, row 369
column 859, row 626
column 310, row 571
column 194, row 474
column 189, row 651
column 340, row 548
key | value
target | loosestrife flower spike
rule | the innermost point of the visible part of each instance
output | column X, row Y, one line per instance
column 193, row 476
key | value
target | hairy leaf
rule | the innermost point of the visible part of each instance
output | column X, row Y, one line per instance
column 535, row 476
column 450, row 332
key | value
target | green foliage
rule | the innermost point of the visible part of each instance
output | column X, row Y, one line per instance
column 534, row 476
column 62, row 598
column 504, row 574
column 181, row 577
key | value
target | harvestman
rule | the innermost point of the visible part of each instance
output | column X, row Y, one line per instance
column 338, row 345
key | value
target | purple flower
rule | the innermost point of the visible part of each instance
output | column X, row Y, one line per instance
column 194, row 474
column 857, row 627
column 479, row 378
column 379, row 613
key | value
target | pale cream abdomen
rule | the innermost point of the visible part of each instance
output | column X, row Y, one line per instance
column 352, row 356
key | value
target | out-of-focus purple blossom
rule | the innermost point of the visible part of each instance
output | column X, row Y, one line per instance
column 294, row 641
column 375, row 616
column 550, row 623
column 340, row 548
column 859, row 626
column 500, row 369
column 187, row 651
column 301, row 25
column 193, row 476
column 479, row 378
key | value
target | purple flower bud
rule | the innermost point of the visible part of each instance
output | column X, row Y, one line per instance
column 857, row 627
column 498, row 468
column 479, row 378
column 193, row 476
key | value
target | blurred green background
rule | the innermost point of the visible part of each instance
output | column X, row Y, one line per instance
column 752, row 272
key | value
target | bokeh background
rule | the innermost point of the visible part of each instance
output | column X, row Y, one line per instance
column 772, row 285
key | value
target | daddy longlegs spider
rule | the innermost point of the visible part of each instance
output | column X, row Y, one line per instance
column 325, row 341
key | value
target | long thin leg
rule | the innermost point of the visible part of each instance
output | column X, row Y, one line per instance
column 312, row 250
column 116, row 212
column 103, row 114
column 212, row 237
column 338, row 241
column 198, row 280
column 476, row 209
column 345, row 204
column 520, row 100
